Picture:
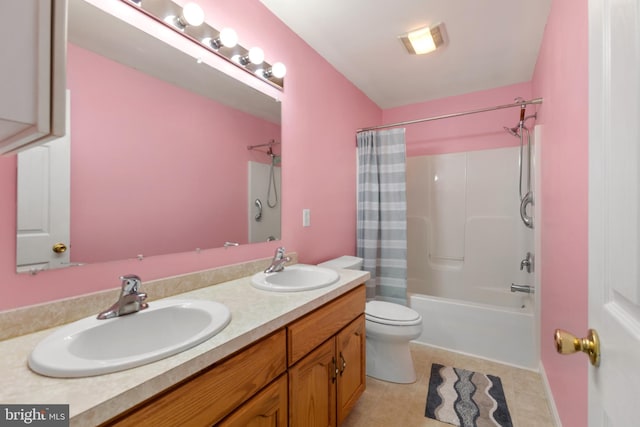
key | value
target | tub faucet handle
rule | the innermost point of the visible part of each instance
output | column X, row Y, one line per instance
column 527, row 263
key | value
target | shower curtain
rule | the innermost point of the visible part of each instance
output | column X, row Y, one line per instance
column 382, row 213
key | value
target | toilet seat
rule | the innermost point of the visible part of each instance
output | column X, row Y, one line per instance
column 387, row 313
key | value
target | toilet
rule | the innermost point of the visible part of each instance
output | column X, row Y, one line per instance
column 389, row 329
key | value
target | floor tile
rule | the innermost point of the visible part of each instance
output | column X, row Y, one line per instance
column 386, row 404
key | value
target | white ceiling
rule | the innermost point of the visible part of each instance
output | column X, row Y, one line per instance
column 491, row 43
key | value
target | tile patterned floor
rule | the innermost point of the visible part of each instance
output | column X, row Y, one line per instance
column 402, row 405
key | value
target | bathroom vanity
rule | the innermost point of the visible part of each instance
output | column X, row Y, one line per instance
column 321, row 354
column 286, row 358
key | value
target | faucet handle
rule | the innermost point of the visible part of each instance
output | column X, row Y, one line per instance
column 527, row 263
column 130, row 284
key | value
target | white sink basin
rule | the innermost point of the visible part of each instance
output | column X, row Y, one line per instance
column 297, row 277
column 94, row 347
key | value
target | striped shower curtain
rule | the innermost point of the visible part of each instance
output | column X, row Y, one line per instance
column 382, row 213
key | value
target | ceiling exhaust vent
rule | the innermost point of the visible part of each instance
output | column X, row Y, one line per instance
column 424, row 40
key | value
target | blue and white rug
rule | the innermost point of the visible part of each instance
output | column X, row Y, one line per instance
column 466, row 398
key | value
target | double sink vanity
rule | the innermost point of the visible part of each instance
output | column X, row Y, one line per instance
column 231, row 354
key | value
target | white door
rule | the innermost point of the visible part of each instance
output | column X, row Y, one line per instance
column 614, row 210
column 43, row 218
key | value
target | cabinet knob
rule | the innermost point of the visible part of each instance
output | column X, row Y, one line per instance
column 343, row 364
column 334, row 370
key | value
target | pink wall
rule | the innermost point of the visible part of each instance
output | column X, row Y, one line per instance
column 465, row 133
column 321, row 111
column 561, row 78
column 151, row 181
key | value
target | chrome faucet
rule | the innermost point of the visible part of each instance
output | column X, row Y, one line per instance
column 130, row 300
column 278, row 261
column 527, row 263
column 527, row 289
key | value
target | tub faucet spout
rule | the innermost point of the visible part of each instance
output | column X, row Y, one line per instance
column 130, row 300
column 527, row 289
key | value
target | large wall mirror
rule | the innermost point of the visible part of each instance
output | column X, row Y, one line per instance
column 163, row 154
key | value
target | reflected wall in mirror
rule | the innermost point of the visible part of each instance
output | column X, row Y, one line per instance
column 159, row 151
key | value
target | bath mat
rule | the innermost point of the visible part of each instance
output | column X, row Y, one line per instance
column 466, row 398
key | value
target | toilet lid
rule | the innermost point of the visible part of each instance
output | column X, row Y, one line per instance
column 391, row 314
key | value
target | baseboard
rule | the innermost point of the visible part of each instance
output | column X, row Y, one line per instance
column 549, row 395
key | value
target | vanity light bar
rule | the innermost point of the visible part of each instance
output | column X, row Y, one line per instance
column 223, row 43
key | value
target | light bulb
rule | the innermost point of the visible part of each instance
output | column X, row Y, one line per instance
column 193, row 14
column 256, row 55
column 278, row 70
column 228, row 37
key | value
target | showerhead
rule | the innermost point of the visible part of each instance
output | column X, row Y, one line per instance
column 513, row 131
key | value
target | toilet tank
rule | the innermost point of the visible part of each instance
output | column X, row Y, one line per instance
column 347, row 262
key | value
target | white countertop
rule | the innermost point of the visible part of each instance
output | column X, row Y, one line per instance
column 93, row 400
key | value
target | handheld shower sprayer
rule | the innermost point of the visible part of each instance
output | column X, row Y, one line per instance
column 526, row 197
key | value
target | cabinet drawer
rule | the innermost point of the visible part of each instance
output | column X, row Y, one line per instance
column 214, row 393
column 308, row 332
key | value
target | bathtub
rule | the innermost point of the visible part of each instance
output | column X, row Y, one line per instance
column 503, row 333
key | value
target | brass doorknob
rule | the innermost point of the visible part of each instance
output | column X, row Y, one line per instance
column 567, row 343
column 59, row 248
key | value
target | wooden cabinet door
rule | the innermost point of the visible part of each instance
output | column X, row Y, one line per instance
column 350, row 344
column 312, row 388
column 267, row 409
column 213, row 394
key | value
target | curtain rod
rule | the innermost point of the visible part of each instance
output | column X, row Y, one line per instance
column 446, row 116
column 268, row 144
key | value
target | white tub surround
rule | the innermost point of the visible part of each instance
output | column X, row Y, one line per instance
column 93, row 400
column 466, row 247
column 465, row 237
column 502, row 334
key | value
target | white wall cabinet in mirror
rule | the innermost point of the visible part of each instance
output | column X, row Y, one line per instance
column 159, row 145
column 32, row 88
